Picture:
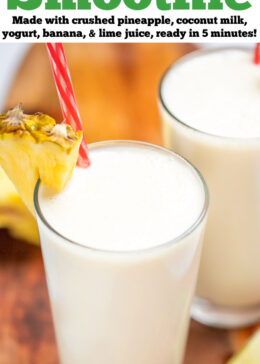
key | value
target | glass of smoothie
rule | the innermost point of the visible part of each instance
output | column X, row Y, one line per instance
column 121, row 247
column 209, row 102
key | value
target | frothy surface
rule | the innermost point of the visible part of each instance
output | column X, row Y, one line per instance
column 130, row 198
column 218, row 93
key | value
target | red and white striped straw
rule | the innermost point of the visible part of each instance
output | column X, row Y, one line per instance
column 257, row 54
column 66, row 95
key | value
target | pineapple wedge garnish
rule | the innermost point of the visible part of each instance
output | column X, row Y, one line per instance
column 33, row 147
column 250, row 354
column 14, row 215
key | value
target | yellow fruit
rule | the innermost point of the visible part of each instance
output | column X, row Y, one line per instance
column 250, row 354
column 33, row 147
column 14, row 215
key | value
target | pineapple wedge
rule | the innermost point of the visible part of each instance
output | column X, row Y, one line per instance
column 33, row 147
column 250, row 354
column 14, row 215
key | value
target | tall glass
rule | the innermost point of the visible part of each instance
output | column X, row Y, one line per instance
column 121, row 307
column 228, row 290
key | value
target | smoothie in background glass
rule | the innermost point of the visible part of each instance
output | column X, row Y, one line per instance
column 121, row 248
column 210, row 108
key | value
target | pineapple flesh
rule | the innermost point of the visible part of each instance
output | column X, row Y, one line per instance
column 33, row 147
column 250, row 354
column 14, row 215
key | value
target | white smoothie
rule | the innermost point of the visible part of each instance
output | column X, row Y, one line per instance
column 122, row 292
column 216, row 98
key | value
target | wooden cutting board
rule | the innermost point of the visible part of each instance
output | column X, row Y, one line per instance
column 116, row 87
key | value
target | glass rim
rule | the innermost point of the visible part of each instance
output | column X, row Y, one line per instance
column 173, row 241
column 186, row 58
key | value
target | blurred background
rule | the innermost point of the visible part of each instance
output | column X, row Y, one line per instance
column 115, row 85
column 116, row 89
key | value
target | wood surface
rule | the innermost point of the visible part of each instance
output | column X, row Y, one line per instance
column 116, row 87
